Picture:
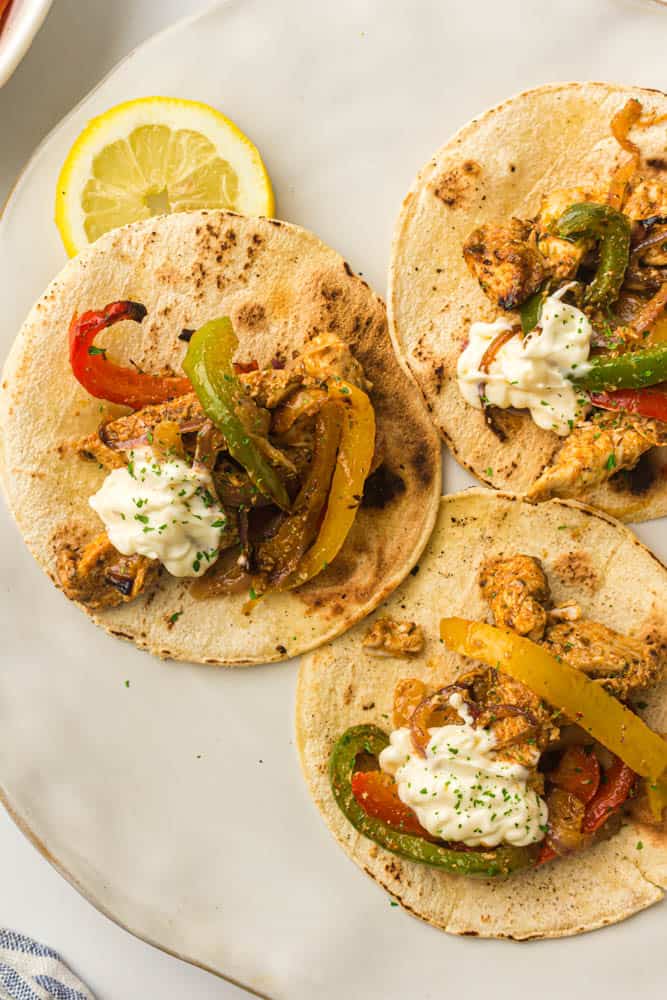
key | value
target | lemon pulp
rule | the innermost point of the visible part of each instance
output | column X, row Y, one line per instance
column 153, row 171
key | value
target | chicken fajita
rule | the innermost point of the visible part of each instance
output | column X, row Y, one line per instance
column 207, row 442
column 501, row 723
column 528, row 296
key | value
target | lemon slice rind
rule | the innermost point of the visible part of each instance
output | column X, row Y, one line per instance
column 248, row 179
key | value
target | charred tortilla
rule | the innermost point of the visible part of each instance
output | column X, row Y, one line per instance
column 588, row 558
column 281, row 287
column 495, row 169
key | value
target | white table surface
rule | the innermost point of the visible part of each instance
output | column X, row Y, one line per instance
column 79, row 43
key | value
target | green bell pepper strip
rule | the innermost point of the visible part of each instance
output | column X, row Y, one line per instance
column 208, row 364
column 633, row 370
column 475, row 864
column 612, row 229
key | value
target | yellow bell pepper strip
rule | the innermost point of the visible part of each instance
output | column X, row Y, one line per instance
column 355, row 455
column 657, row 798
column 581, row 699
column 208, row 363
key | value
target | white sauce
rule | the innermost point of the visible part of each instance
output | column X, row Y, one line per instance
column 461, row 791
column 532, row 372
column 163, row 510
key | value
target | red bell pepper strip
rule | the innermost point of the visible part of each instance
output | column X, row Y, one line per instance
column 106, row 380
column 649, row 402
column 578, row 772
column 377, row 794
column 547, row 853
column 611, row 795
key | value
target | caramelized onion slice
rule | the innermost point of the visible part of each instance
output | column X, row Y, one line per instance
column 422, row 715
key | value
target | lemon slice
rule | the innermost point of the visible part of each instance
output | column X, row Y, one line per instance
column 156, row 155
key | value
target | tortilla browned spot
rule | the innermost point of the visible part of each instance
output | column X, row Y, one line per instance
column 281, row 286
column 337, row 684
column 496, row 167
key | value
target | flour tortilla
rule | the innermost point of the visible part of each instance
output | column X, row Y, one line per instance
column 281, row 286
column 496, row 167
column 588, row 557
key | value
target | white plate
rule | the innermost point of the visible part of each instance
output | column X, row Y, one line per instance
column 176, row 805
column 23, row 21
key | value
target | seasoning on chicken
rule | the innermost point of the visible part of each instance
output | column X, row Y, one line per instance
column 93, row 449
column 647, row 197
column 505, row 261
column 556, row 202
column 269, row 387
column 388, row 637
column 327, row 356
column 561, row 257
column 521, row 723
column 595, row 451
column 100, row 577
column 623, row 664
column 129, row 431
column 518, row 591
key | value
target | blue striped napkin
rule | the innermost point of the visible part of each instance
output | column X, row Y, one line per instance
column 31, row 971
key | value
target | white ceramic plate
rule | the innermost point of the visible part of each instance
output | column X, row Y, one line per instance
column 23, row 21
column 176, row 805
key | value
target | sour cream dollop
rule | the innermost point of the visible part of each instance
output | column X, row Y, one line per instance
column 164, row 510
column 461, row 791
column 533, row 372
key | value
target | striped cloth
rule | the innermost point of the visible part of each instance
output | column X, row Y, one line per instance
column 31, row 971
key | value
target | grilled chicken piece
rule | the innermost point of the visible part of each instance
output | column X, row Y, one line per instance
column 271, row 387
column 100, row 577
column 556, row 202
column 387, row 637
column 93, row 449
column 520, row 736
column 647, row 196
column 595, row 451
column 624, row 665
column 505, row 261
column 517, row 590
column 327, row 356
column 130, row 431
column 561, row 257
column 647, row 199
